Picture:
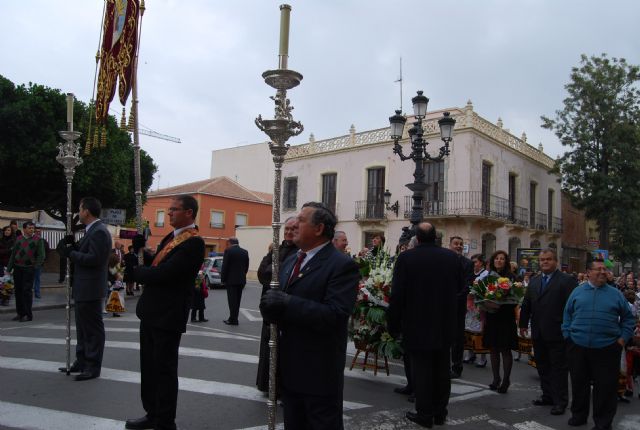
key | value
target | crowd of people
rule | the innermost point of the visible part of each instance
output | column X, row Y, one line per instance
column 583, row 324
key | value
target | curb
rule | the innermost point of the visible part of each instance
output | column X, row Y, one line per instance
column 11, row 309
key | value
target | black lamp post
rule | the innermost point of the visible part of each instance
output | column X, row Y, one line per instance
column 419, row 153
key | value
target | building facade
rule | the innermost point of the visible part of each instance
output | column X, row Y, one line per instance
column 224, row 205
column 494, row 190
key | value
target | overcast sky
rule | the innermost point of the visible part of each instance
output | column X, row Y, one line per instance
column 201, row 63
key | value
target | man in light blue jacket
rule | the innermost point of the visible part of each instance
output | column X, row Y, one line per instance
column 597, row 323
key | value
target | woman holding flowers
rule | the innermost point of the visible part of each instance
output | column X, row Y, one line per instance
column 500, row 332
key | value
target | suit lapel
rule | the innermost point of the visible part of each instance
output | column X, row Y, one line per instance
column 314, row 264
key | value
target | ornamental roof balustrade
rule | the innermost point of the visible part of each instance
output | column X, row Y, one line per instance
column 465, row 118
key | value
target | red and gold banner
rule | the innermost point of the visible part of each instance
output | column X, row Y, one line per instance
column 117, row 55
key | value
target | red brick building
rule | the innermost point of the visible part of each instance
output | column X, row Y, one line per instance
column 224, row 205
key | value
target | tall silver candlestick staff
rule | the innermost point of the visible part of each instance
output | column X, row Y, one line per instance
column 279, row 129
column 69, row 157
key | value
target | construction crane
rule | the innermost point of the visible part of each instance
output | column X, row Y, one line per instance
column 148, row 132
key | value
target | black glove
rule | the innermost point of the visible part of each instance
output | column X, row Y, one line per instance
column 273, row 304
column 69, row 239
column 65, row 250
column 138, row 242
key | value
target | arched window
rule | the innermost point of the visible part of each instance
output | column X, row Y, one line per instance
column 514, row 244
column 488, row 244
column 535, row 243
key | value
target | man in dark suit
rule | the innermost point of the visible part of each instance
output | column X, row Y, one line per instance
column 426, row 281
column 163, row 309
column 456, row 244
column 319, row 285
column 543, row 305
column 90, row 259
column 233, row 274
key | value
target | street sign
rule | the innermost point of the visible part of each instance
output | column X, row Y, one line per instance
column 113, row 216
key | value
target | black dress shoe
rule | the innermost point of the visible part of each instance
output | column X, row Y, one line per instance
column 421, row 421
column 139, row 423
column 194, row 321
column 455, row 375
column 575, row 422
column 541, row 401
column 229, row 322
column 85, row 375
column 203, row 320
column 74, row 368
column 403, row 390
column 26, row 318
column 439, row 420
column 557, row 410
column 16, row 318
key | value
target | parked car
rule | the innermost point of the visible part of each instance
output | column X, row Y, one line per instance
column 211, row 271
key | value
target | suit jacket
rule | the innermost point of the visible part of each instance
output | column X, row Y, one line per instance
column 423, row 305
column 168, row 287
column 468, row 275
column 235, row 264
column 545, row 310
column 313, row 328
column 90, row 261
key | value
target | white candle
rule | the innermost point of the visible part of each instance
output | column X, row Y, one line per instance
column 70, row 99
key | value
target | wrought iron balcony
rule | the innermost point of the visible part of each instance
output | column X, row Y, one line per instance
column 370, row 210
column 519, row 216
column 541, row 221
column 463, row 203
column 474, row 203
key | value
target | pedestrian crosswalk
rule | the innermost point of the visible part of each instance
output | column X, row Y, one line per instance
column 217, row 382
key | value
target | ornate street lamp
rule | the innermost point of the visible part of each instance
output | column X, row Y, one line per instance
column 69, row 157
column 418, row 154
column 279, row 130
column 395, row 208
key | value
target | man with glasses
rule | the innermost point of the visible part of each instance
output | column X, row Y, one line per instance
column 597, row 324
column 163, row 309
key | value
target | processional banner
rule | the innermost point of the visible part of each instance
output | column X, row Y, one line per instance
column 117, row 54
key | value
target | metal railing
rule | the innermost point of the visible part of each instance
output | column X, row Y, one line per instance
column 519, row 216
column 474, row 203
column 370, row 210
column 541, row 221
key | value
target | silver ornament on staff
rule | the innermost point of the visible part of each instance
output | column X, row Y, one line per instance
column 69, row 157
column 279, row 129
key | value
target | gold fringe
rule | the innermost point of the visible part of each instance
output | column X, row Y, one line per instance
column 103, row 142
column 87, row 146
column 130, row 125
column 96, row 136
column 123, row 121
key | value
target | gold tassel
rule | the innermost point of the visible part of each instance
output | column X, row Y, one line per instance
column 142, row 8
column 103, row 142
column 96, row 136
column 123, row 121
column 130, row 126
column 87, row 146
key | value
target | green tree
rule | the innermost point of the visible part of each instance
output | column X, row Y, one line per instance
column 32, row 179
column 599, row 124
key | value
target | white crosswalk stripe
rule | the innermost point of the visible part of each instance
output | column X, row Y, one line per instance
column 35, row 418
column 186, row 384
column 119, row 334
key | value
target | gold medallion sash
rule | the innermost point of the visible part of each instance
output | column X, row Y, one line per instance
column 186, row 234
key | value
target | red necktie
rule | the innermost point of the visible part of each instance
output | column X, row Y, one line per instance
column 296, row 267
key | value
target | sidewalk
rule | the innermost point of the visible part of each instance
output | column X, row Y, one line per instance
column 53, row 295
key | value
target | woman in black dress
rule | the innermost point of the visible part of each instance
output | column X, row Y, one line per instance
column 500, row 332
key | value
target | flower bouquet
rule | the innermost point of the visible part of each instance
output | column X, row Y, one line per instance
column 368, row 324
column 493, row 290
column 6, row 288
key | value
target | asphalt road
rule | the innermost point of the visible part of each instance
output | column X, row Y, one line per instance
column 217, row 387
